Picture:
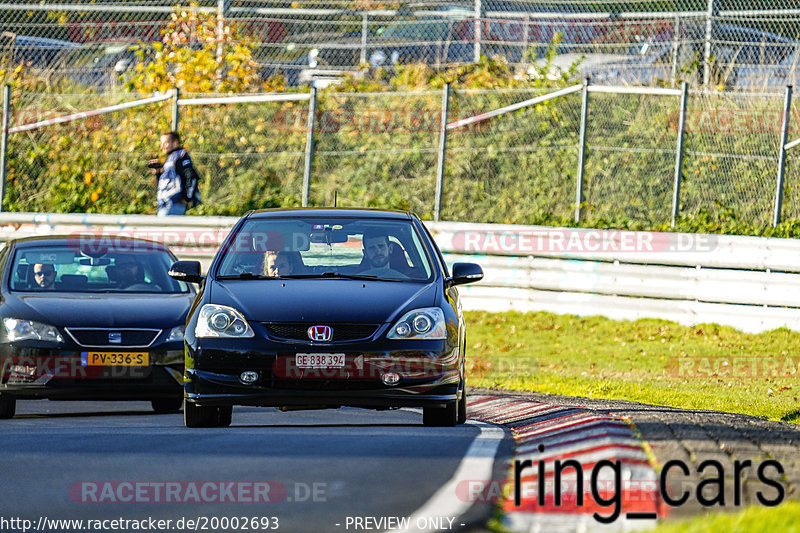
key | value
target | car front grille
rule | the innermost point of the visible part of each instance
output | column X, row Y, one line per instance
column 297, row 331
column 101, row 337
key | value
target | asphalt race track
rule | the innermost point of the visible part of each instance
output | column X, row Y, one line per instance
column 309, row 469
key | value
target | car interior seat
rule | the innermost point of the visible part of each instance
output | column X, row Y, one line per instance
column 71, row 282
column 111, row 272
column 24, row 277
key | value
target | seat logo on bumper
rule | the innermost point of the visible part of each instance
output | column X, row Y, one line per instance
column 320, row 333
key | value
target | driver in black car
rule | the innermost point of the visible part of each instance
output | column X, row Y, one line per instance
column 128, row 273
column 44, row 276
column 376, row 250
column 378, row 256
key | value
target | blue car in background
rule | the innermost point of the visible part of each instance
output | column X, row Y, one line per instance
column 36, row 52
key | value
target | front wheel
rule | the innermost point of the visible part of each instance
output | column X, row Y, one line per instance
column 224, row 416
column 462, row 406
column 198, row 416
column 441, row 416
column 167, row 405
column 8, row 407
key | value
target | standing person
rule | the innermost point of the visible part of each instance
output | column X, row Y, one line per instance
column 177, row 177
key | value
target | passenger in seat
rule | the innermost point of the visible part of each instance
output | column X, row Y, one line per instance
column 282, row 263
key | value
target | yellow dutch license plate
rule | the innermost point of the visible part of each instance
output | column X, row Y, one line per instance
column 115, row 359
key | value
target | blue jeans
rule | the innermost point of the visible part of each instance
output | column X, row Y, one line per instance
column 172, row 209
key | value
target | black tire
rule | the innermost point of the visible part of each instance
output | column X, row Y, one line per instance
column 462, row 405
column 8, row 407
column 167, row 405
column 440, row 416
column 224, row 416
column 198, row 416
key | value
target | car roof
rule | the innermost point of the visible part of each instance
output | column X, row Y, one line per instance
column 41, row 42
column 330, row 212
column 73, row 240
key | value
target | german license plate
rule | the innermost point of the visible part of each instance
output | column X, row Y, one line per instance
column 319, row 360
column 115, row 358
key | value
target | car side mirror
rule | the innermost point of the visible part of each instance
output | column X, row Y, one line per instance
column 466, row 273
column 188, row 271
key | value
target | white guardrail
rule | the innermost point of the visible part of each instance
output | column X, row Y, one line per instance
column 750, row 283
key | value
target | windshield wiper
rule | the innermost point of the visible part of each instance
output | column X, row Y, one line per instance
column 245, row 275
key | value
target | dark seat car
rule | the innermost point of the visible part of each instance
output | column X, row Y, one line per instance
column 86, row 318
column 345, row 307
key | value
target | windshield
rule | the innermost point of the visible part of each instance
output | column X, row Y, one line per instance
column 326, row 248
column 69, row 269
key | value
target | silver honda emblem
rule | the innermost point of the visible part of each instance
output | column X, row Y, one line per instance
column 320, row 333
column 115, row 337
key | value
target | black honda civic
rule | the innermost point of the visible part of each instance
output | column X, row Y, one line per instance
column 91, row 318
column 323, row 308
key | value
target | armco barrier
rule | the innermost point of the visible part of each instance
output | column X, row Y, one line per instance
column 750, row 283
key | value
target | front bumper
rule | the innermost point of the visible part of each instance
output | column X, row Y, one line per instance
column 419, row 378
column 45, row 373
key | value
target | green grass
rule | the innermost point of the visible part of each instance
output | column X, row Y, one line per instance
column 785, row 518
column 595, row 357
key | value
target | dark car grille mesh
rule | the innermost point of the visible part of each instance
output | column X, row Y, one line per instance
column 100, row 337
column 299, row 331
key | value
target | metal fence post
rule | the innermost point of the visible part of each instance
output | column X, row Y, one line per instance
column 175, row 117
column 675, row 45
column 312, row 112
column 787, row 109
column 479, row 14
column 676, row 192
column 711, row 12
column 364, row 35
column 437, row 209
column 4, row 142
column 582, row 149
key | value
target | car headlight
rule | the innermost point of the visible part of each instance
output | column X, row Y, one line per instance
column 21, row 330
column 426, row 323
column 221, row 321
column 176, row 333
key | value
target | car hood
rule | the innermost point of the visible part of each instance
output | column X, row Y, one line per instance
column 323, row 300
column 99, row 310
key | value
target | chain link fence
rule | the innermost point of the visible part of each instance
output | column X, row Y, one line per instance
column 753, row 44
column 377, row 150
column 90, row 162
column 516, row 167
column 383, row 150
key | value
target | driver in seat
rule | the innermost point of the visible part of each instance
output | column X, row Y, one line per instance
column 129, row 274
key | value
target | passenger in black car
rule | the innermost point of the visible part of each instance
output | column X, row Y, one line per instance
column 282, row 263
column 44, row 276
